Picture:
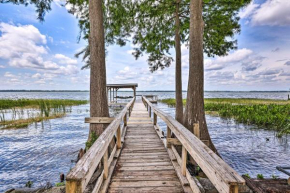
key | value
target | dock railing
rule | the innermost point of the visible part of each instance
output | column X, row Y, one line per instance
column 80, row 176
column 222, row 176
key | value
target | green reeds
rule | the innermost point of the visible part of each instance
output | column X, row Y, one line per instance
column 269, row 114
column 37, row 110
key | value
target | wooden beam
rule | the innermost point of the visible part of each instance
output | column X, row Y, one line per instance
column 173, row 141
column 196, row 130
column 101, row 120
column 154, row 118
column 195, row 185
column 119, row 140
column 125, row 120
column 168, row 136
column 106, row 167
column 184, row 160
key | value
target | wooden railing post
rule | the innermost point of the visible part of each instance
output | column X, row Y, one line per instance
column 125, row 120
column 168, row 135
column 129, row 111
column 106, row 167
column 150, row 112
column 196, row 130
column 184, row 159
column 154, row 119
column 119, row 137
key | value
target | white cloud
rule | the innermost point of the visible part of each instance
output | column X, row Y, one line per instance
column 2, row 66
column 271, row 12
column 9, row 75
column 25, row 47
column 236, row 56
column 249, row 10
column 18, row 40
column 65, row 60
column 36, row 76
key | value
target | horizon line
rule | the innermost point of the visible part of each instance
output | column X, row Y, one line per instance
column 28, row 90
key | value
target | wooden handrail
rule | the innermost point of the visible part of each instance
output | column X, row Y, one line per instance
column 222, row 176
column 79, row 177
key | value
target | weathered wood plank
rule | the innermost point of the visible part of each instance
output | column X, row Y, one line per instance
column 99, row 119
column 146, row 190
column 145, row 184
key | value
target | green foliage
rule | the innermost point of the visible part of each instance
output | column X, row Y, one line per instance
column 37, row 110
column 29, row 184
column 260, row 176
column 274, row 177
column 271, row 114
column 39, row 103
column 155, row 28
column 60, row 184
column 42, row 6
column 117, row 23
column 91, row 141
column 247, row 175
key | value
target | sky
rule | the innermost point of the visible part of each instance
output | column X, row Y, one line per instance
column 40, row 56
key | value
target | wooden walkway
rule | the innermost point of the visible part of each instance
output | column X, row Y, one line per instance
column 144, row 164
column 144, row 160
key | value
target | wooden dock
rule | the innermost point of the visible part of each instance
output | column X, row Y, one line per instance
column 144, row 160
column 144, row 164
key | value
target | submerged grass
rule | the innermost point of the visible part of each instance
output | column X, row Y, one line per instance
column 37, row 110
column 266, row 113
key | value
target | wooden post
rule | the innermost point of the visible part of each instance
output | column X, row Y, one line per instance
column 234, row 189
column 116, row 95
column 119, row 137
column 110, row 94
column 184, row 159
column 106, row 167
column 288, row 181
column 125, row 120
column 134, row 91
column 150, row 112
column 168, row 136
column 130, row 111
column 113, row 95
column 154, row 119
column 196, row 130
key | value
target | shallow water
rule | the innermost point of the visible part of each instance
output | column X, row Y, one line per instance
column 42, row 151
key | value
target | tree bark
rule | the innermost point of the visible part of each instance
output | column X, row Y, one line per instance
column 98, row 96
column 178, row 69
column 194, row 110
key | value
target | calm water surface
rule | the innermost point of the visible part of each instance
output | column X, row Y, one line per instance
column 44, row 150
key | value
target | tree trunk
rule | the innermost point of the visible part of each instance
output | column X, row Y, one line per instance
column 194, row 110
column 178, row 74
column 98, row 97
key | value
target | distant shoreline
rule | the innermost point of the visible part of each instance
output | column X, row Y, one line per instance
column 129, row 91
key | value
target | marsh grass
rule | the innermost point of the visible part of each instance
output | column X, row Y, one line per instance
column 265, row 113
column 24, row 112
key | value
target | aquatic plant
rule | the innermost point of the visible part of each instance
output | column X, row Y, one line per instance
column 35, row 103
column 60, row 184
column 260, row 176
column 47, row 108
column 269, row 114
column 92, row 140
column 274, row 177
column 247, row 176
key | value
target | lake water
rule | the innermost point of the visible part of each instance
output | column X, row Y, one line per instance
column 43, row 151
